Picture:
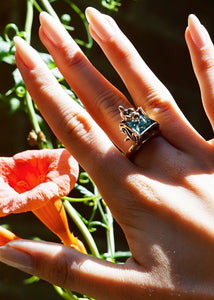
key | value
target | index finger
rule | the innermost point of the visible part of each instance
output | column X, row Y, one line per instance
column 76, row 129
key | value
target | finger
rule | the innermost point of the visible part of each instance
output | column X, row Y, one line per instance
column 70, row 269
column 144, row 86
column 69, row 121
column 76, row 130
column 202, row 54
column 99, row 96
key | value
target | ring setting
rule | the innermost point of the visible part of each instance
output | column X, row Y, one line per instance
column 137, row 125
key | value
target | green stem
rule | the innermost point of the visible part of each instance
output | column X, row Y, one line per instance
column 47, row 6
column 32, row 114
column 110, row 233
column 67, row 295
column 108, row 221
column 102, row 213
column 93, row 212
column 29, row 102
column 28, row 30
column 84, row 230
column 71, row 199
column 77, row 10
column 36, row 5
column 29, row 20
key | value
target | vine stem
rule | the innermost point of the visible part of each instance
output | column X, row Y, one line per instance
column 83, row 229
column 77, row 10
column 29, row 101
column 80, row 199
column 110, row 233
column 32, row 114
column 29, row 20
column 109, row 222
column 66, row 294
column 49, row 8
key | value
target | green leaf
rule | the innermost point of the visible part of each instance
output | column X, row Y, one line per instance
column 111, row 4
column 83, row 190
column 6, row 55
column 17, row 77
column 14, row 105
column 47, row 58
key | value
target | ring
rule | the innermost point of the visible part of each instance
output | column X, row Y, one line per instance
column 138, row 127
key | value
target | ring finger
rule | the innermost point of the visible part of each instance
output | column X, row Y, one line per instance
column 145, row 88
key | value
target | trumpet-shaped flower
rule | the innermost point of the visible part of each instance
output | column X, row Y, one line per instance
column 6, row 236
column 34, row 180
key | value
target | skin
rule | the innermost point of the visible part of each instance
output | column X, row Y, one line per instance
column 162, row 198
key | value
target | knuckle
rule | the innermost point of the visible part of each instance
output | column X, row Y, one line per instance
column 206, row 63
column 159, row 103
column 43, row 80
column 120, row 53
column 106, row 103
column 76, row 123
column 62, row 272
column 78, row 126
column 40, row 75
column 121, row 47
column 72, row 58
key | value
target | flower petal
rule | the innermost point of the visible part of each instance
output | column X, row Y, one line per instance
column 6, row 236
column 31, row 178
column 53, row 215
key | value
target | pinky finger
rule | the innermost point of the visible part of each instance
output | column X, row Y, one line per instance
column 202, row 55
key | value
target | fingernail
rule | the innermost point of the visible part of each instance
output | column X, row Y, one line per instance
column 53, row 29
column 28, row 56
column 15, row 258
column 102, row 26
column 198, row 32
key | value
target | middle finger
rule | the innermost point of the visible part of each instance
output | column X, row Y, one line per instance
column 98, row 95
column 145, row 88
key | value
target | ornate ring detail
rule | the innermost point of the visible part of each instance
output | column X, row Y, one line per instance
column 137, row 125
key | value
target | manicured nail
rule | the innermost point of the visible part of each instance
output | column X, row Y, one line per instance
column 15, row 258
column 198, row 32
column 53, row 29
column 26, row 53
column 100, row 24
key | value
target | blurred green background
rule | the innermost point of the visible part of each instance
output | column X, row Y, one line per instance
column 157, row 29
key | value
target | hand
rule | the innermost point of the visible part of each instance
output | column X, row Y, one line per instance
column 162, row 199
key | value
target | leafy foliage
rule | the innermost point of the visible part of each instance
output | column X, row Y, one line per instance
column 17, row 100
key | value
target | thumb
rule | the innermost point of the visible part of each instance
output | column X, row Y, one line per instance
column 66, row 267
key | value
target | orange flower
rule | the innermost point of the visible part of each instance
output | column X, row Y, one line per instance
column 34, row 180
column 6, row 236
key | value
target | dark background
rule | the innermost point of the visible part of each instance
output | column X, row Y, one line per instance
column 157, row 29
